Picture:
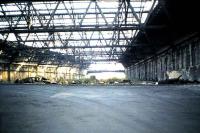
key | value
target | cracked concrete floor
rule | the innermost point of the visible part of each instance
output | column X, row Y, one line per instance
column 99, row 109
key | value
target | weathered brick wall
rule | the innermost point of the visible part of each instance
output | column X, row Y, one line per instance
column 184, row 57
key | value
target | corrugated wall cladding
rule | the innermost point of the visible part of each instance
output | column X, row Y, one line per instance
column 183, row 57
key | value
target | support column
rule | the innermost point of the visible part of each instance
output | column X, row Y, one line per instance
column 190, row 52
column 8, row 72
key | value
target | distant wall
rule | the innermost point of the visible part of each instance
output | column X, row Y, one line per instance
column 11, row 72
column 183, row 56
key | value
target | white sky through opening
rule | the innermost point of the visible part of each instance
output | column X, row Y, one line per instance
column 107, row 66
column 90, row 19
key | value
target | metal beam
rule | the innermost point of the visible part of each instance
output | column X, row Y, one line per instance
column 117, row 13
column 151, row 10
column 74, row 40
column 67, row 29
column 52, row 15
column 38, row 15
column 134, row 13
column 85, row 14
column 102, row 14
column 22, row 1
column 65, row 14
column 56, row 25
column 52, row 30
column 83, row 47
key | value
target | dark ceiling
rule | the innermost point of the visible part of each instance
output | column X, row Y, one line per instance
column 178, row 18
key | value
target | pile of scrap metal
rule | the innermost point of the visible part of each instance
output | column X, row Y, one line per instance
column 178, row 77
column 34, row 80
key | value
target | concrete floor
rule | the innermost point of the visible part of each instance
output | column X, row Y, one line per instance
column 99, row 109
